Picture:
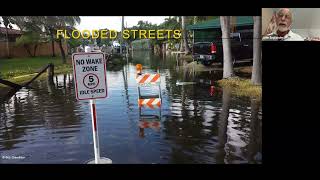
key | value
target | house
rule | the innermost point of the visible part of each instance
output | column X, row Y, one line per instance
column 211, row 30
column 12, row 34
column 141, row 44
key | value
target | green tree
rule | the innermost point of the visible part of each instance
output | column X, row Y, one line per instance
column 29, row 40
column 170, row 23
column 49, row 23
column 53, row 23
column 101, row 41
column 46, row 25
column 31, row 36
column 73, row 43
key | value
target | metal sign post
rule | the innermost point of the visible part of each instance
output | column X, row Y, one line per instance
column 95, row 131
column 89, row 70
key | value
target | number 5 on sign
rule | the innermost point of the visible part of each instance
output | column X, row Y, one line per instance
column 91, row 78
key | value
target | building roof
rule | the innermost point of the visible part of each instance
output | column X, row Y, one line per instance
column 10, row 31
column 215, row 23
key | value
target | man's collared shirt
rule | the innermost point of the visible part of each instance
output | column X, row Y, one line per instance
column 291, row 36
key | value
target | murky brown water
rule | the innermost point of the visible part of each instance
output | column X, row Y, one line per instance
column 47, row 124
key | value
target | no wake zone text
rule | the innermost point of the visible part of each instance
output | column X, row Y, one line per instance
column 89, row 63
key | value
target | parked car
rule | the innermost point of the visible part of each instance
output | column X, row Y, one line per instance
column 212, row 51
column 116, row 47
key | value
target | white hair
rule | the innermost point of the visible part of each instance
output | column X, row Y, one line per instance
column 289, row 11
column 291, row 16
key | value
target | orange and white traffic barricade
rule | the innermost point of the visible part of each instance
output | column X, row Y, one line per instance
column 151, row 103
column 148, row 98
column 152, row 100
column 148, row 79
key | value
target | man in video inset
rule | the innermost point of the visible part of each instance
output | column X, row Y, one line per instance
column 283, row 31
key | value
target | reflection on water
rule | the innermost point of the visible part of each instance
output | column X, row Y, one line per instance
column 196, row 124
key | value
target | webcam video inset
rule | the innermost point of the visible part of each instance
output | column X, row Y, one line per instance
column 291, row 24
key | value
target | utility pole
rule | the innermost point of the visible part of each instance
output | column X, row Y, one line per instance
column 127, row 44
column 121, row 40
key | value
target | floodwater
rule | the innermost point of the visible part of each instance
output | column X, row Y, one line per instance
column 195, row 124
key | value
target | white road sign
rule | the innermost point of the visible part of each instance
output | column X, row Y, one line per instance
column 89, row 70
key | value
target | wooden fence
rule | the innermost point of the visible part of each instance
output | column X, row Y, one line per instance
column 43, row 49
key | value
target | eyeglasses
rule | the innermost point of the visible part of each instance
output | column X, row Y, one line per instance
column 287, row 16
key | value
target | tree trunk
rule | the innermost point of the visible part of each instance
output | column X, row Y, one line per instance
column 8, row 48
column 181, row 45
column 52, row 43
column 35, row 50
column 181, row 39
column 152, row 47
column 227, row 60
column 28, row 50
column 63, row 55
column 160, row 49
column 185, row 35
column 223, row 124
column 256, row 78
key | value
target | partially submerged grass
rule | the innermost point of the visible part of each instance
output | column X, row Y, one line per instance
column 200, row 67
column 63, row 68
column 23, row 79
column 188, row 58
column 20, row 70
column 241, row 87
column 13, row 67
column 245, row 69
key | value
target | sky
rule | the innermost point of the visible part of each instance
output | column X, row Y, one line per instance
column 114, row 22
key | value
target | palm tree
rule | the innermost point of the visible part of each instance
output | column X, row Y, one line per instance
column 256, row 77
column 227, row 60
column 185, row 35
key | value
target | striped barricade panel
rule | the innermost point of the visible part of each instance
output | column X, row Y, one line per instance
column 151, row 103
column 148, row 79
column 149, row 124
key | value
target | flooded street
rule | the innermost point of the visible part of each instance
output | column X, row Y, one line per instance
column 195, row 123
